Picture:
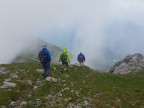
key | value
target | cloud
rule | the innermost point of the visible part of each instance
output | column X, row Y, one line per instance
column 95, row 25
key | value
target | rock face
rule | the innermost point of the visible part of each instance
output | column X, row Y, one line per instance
column 131, row 63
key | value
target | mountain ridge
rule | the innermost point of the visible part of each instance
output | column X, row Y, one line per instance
column 30, row 53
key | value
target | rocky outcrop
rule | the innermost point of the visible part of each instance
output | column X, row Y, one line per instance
column 131, row 63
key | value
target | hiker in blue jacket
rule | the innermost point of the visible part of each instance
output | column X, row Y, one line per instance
column 45, row 59
column 81, row 58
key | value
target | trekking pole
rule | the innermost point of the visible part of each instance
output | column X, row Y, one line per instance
column 36, row 59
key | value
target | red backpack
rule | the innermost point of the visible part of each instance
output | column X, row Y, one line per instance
column 80, row 57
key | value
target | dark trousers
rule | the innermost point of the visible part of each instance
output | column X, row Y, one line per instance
column 46, row 69
column 65, row 63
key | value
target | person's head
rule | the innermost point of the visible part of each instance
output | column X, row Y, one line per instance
column 65, row 49
column 44, row 46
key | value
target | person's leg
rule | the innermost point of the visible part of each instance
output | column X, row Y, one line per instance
column 65, row 65
column 79, row 63
column 83, row 63
column 62, row 66
column 46, row 70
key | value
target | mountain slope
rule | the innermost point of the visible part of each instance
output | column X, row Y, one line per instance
column 78, row 87
column 30, row 53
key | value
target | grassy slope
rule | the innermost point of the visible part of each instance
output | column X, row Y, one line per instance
column 101, row 90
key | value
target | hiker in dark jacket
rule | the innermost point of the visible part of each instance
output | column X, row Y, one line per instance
column 81, row 58
column 45, row 59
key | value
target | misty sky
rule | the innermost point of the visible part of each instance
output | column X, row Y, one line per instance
column 96, row 27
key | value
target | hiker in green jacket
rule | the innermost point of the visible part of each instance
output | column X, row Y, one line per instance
column 64, row 57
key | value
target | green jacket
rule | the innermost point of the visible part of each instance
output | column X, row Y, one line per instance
column 67, row 54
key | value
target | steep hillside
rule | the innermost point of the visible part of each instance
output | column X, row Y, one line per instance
column 22, row 85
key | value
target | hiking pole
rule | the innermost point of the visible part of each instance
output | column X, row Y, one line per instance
column 33, row 58
column 36, row 59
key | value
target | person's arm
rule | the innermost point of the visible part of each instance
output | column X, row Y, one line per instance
column 78, row 58
column 49, row 56
column 68, row 57
column 59, row 58
column 84, row 58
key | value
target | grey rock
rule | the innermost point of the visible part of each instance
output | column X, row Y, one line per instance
column 49, row 96
column 76, row 92
column 23, row 103
column 14, row 76
column 39, row 70
column 66, row 89
column 62, row 90
column 53, row 80
column 8, row 84
column 66, row 99
column 71, row 105
column 38, row 102
column 67, row 75
column 51, row 104
column 79, row 105
column 14, row 104
column 59, row 94
column 8, row 80
column 85, row 103
column 35, row 87
column 131, row 63
column 29, row 82
column 69, row 99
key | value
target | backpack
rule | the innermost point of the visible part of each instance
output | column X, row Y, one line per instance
column 64, row 57
column 81, row 57
column 42, row 57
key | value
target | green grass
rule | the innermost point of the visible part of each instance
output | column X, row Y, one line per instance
column 101, row 90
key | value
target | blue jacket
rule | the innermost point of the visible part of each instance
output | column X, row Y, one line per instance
column 79, row 56
column 47, row 54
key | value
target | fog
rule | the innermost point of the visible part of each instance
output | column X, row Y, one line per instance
column 103, row 30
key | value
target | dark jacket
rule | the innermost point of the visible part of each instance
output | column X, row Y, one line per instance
column 47, row 53
column 79, row 57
